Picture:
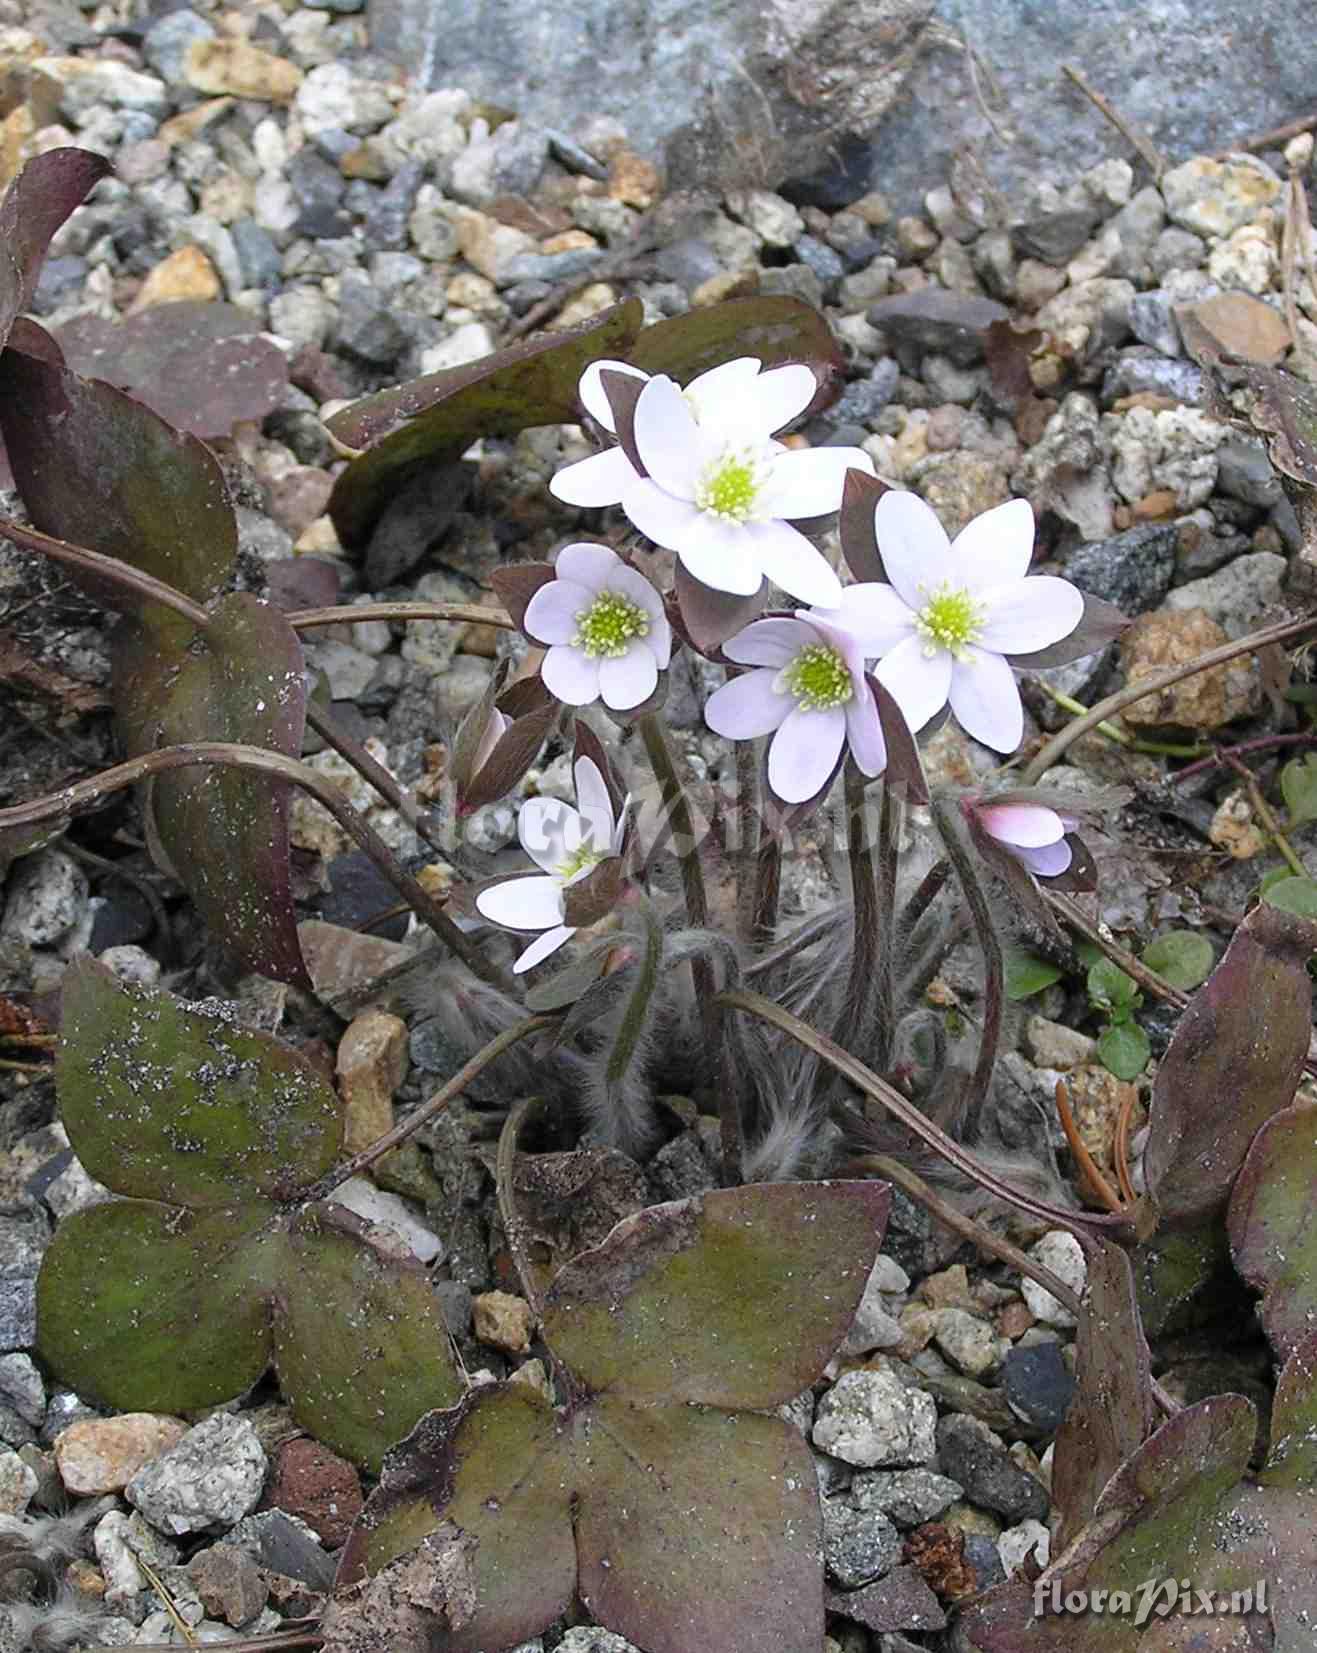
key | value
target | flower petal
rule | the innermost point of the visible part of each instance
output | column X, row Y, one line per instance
column 717, row 554
column 718, row 394
column 571, row 675
column 542, row 946
column 585, row 563
column 747, row 706
column 1022, row 826
column 996, row 547
column 986, row 700
column 595, row 805
column 808, row 482
column 551, row 612
column 864, row 731
column 496, row 726
column 1048, row 859
column 1029, row 614
column 804, row 753
column 769, row 642
column 522, row 903
column 751, row 410
column 781, row 395
column 629, row 680
column 874, row 614
column 787, row 558
column 668, row 439
column 630, row 582
column 918, row 682
column 598, row 480
column 591, row 390
column 915, row 549
column 660, row 516
column 548, row 830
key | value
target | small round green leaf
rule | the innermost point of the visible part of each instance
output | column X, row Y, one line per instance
column 1183, row 957
column 1027, row 974
column 1124, row 1050
column 1293, row 895
column 1108, row 985
column 1298, row 783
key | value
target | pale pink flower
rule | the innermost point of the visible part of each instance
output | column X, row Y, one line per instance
column 718, row 490
column 954, row 610
column 567, row 844
column 809, row 692
column 608, row 635
column 1034, row 834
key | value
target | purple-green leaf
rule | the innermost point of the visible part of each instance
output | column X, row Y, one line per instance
column 1273, row 1224
column 856, row 526
column 431, row 421
column 1234, row 1061
column 224, row 832
column 38, row 201
column 706, row 618
column 178, row 1296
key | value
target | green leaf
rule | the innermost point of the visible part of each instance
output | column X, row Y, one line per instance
column 1234, row 1061
column 1027, row 974
column 1273, row 1224
column 1292, row 895
column 1109, row 986
column 1123, row 1049
column 176, row 1297
column 1298, row 784
column 635, row 1316
column 432, row 421
column 681, row 1524
column 1183, row 957
column 224, row 832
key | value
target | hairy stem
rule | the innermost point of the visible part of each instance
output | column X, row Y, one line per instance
column 910, row 1182
column 1051, row 750
column 888, row 1097
column 258, row 760
column 748, row 829
column 926, row 893
column 768, row 887
column 471, row 614
column 946, row 816
column 676, row 810
column 436, row 1104
column 514, row 1228
column 636, row 1014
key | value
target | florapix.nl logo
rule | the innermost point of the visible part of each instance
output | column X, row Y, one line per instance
column 1154, row 1598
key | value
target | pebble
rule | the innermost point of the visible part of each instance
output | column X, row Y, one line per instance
column 1172, row 449
column 949, row 324
column 586, row 1638
column 969, row 1342
column 234, row 68
column 47, row 895
column 859, row 1545
column 976, row 1457
column 1017, row 1544
column 131, row 964
column 24, row 1237
column 18, row 1484
column 228, row 1584
column 208, row 1480
column 118, row 1541
column 284, row 1544
column 318, row 1487
column 1215, row 197
column 389, row 1212
column 872, row 1419
column 96, row 1455
column 909, row 1497
column 165, row 45
column 1053, row 1045
column 1133, row 570
column 1038, row 1384
column 1236, row 596
column 22, row 1388
column 1207, row 700
column 1062, row 1253
column 503, row 1321
column 370, row 1065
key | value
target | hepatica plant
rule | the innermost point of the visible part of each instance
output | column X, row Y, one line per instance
column 622, row 977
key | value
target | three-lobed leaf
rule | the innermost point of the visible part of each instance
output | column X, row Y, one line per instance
column 180, row 1294
column 683, row 1518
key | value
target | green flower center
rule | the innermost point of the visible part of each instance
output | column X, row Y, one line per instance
column 610, row 625
column 818, row 677
column 730, row 486
column 950, row 619
column 583, row 856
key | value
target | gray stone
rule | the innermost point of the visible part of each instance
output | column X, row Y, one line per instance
column 744, row 92
column 981, row 1553
column 1065, row 470
column 210, row 1480
column 973, row 1455
column 859, row 1545
column 1055, row 237
column 1133, row 570
column 1244, row 471
column 827, row 264
column 259, row 259
column 872, row 1419
column 1064, row 1256
column 367, row 328
column 64, row 1408
column 1152, row 322
column 507, row 161
column 949, row 324
column 1016, row 1544
column 46, row 898
column 283, row 1543
column 1139, row 371
column 1237, row 595
column 907, row 1496
column 1038, row 1384
column 385, row 224
column 1176, row 249
column 165, row 44
column 455, row 1304
column 969, row 1342
column 588, row 1638
column 24, row 1236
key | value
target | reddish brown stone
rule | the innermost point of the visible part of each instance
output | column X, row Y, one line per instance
column 314, row 1483
column 938, row 1551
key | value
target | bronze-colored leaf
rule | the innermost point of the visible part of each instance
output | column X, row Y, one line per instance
column 856, row 526
column 38, row 201
column 516, row 584
column 706, row 618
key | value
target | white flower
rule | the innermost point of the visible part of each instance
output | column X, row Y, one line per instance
column 567, row 844
column 607, row 633
column 718, row 490
column 810, row 688
column 954, row 610
column 1034, row 834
